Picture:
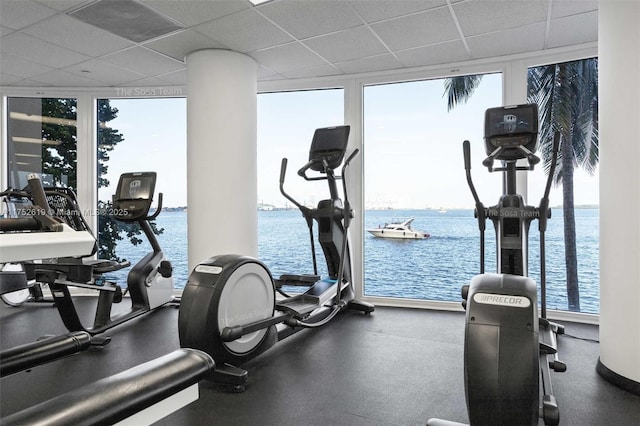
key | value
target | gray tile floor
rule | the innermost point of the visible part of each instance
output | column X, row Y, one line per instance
column 395, row 367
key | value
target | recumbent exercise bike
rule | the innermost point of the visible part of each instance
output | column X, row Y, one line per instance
column 229, row 307
column 149, row 282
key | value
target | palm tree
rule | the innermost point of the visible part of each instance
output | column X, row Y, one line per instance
column 567, row 98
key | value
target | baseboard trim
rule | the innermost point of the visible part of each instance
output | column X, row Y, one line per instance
column 616, row 379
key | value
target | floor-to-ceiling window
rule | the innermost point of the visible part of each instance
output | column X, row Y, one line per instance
column 414, row 170
column 567, row 93
column 286, row 122
column 42, row 139
column 136, row 135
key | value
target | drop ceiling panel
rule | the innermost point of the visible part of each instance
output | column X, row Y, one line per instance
column 573, row 30
column 183, row 43
column 103, row 71
column 265, row 73
column 347, row 44
column 150, row 82
column 17, row 14
column 174, row 78
column 305, row 19
column 28, row 83
column 478, row 17
column 9, row 80
column 194, row 12
column 288, row 38
column 379, row 10
column 64, row 5
column 289, row 57
column 244, row 32
column 84, row 38
column 433, row 26
column 372, row 63
column 36, row 50
column 143, row 61
column 443, row 53
column 524, row 39
column 563, row 8
column 22, row 67
column 63, row 79
column 311, row 72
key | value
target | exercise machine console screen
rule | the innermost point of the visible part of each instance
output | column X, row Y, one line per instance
column 509, row 129
column 328, row 147
column 133, row 196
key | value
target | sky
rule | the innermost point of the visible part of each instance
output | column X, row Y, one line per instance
column 155, row 134
column 412, row 146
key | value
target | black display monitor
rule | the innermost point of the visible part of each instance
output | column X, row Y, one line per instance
column 511, row 127
column 329, row 144
column 134, row 195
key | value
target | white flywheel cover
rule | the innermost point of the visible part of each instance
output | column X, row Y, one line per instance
column 247, row 296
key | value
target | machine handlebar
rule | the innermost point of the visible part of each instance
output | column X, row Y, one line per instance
column 41, row 213
column 466, row 151
column 545, row 213
column 283, row 172
column 348, row 160
column 554, row 160
column 158, row 209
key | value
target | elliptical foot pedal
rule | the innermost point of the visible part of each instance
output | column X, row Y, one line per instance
column 228, row 378
column 358, row 305
column 297, row 279
column 99, row 342
column 558, row 366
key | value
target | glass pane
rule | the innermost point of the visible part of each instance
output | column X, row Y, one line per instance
column 136, row 135
column 41, row 136
column 286, row 122
column 577, row 103
column 414, row 170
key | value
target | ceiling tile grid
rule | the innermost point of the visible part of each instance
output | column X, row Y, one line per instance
column 430, row 27
column 303, row 19
column 346, row 45
column 43, row 43
column 18, row 14
column 84, row 38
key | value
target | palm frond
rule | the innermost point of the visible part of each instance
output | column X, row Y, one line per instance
column 567, row 99
column 459, row 89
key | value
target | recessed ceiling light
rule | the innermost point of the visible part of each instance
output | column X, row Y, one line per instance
column 257, row 2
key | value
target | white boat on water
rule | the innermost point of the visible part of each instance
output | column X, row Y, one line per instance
column 398, row 229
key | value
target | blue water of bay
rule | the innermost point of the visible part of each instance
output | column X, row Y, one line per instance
column 431, row 269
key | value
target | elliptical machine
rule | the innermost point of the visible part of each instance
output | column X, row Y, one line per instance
column 229, row 307
column 509, row 348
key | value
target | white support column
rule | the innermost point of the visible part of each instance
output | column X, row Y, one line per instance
column 87, row 160
column 619, row 103
column 353, row 116
column 221, row 154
